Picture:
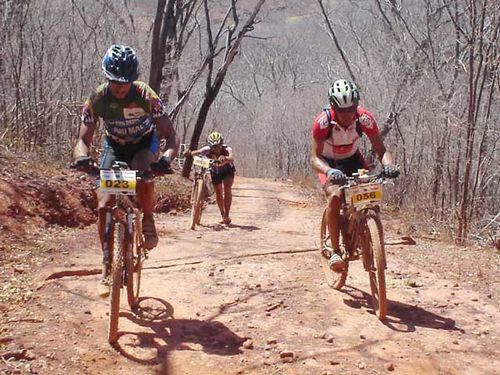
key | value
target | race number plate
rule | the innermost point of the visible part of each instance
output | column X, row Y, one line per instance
column 361, row 195
column 118, row 182
column 201, row 162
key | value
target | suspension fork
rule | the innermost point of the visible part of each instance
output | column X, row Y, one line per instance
column 107, row 246
column 368, row 261
column 344, row 231
column 129, row 239
column 350, row 224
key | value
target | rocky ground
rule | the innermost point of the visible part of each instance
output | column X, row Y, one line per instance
column 248, row 298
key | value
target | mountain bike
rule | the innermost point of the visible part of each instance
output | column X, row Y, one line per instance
column 361, row 236
column 123, row 235
column 202, row 167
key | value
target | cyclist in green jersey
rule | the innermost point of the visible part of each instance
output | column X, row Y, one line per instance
column 134, row 120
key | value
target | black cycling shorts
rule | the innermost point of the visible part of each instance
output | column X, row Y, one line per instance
column 349, row 165
column 146, row 151
column 219, row 174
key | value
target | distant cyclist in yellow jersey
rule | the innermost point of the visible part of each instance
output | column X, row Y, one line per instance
column 222, row 173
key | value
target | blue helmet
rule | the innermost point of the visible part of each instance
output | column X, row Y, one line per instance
column 120, row 64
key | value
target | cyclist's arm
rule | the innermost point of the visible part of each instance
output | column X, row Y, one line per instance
column 230, row 156
column 82, row 147
column 167, row 131
column 384, row 156
column 204, row 151
column 316, row 161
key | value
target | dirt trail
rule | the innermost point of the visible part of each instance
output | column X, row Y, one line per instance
column 234, row 299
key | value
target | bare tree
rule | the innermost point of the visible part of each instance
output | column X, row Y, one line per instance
column 482, row 36
column 172, row 29
column 335, row 40
column 233, row 39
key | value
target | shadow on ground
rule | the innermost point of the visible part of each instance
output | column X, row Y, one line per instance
column 401, row 317
column 165, row 334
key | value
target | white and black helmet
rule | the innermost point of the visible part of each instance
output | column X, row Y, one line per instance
column 343, row 94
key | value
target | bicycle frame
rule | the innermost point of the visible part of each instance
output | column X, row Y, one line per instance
column 202, row 167
column 352, row 224
column 352, row 218
column 123, row 210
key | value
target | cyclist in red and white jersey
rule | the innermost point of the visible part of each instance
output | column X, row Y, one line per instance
column 335, row 151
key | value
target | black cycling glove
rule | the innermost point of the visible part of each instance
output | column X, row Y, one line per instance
column 391, row 171
column 163, row 165
column 82, row 163
column 336, row 176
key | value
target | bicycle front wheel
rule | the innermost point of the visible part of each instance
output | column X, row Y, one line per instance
column 334, row 279
column 197, row 199
column 116, row 280
column 375, row 263
column 134, row 263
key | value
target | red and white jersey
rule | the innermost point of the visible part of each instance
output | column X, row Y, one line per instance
column 341, row 143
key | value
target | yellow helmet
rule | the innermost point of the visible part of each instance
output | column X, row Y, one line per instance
column 215, row 138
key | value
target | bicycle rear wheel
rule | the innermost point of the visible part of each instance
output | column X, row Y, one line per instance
column 116, row 280
column 197, row 203
column 334, row 279
column 134, row 263
column 375, row 263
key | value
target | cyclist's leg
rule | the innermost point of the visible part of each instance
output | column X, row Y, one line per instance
column 141, row 161
column 333, row 223
column 145, row 189
column 334, row 199
column 228, row 195
column 219, row 197
column 218, row 188
column 334, row 195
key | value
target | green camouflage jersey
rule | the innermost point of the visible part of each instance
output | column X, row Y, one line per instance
column 125, row 120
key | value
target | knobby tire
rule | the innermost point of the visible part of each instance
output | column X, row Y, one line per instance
column 116, row 280
column 197, row 198
column 335, row 280
column 375, row 254
column 194, row 205
column 201, row 199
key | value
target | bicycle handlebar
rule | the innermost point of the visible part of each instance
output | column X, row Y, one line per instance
column 363, row 179
column 211, row 161
column 92, row 169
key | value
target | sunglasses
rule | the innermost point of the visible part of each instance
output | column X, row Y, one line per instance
column 118, row 83
column 346, row 110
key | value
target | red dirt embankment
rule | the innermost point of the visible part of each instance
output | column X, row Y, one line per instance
column 34, row 196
